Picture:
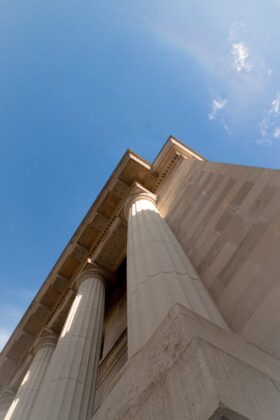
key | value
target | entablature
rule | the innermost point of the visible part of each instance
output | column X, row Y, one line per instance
column 100, row 238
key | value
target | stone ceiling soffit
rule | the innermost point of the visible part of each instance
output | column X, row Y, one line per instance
column 117, row 187
column 113, row 250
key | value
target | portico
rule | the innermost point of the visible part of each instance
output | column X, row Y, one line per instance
column 123, row 307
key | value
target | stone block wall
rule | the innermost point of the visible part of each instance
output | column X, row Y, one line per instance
column 227, row 218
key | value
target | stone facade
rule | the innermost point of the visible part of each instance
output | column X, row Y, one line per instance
column 230, row 228
column 165, row 304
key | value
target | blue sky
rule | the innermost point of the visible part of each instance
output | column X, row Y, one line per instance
column 82, row 81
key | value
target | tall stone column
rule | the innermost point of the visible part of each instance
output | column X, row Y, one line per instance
column 32, row 381
column 159, row 273
column 68, row 387
column 6, row 400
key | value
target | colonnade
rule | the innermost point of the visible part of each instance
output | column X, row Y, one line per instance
column 60, row 383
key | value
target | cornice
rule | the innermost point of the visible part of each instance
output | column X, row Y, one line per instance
column 101, row 238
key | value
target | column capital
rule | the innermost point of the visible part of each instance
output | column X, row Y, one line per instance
column 138, row 192
column 46, row 338
column 7, row 394
column 93, row 271
column 6, row 398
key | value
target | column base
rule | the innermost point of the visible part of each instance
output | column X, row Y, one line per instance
column 192, row 369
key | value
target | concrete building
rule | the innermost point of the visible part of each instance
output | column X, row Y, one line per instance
column 165, row 304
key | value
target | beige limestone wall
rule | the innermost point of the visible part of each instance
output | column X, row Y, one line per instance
column 227, row 217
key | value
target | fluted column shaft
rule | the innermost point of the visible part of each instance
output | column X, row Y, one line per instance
column 32, row 381
column 159, row 274
column 67, row 389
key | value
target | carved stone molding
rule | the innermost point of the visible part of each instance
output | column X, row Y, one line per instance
column 101, row 237
column 138, row 192
column 92, row 271
column 47, row 338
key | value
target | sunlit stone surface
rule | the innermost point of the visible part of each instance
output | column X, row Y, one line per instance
column 189, row 327
column 29, row 388
column 159, row 274
column 67, row 390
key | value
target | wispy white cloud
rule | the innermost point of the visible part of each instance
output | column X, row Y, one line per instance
column 234, row 31
column 270, row 124
column 240, row 53
column 239, row 49
column 217, row 105
column 264, row 126
column 275, row 105
column 232, row 59
column 276, row 133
